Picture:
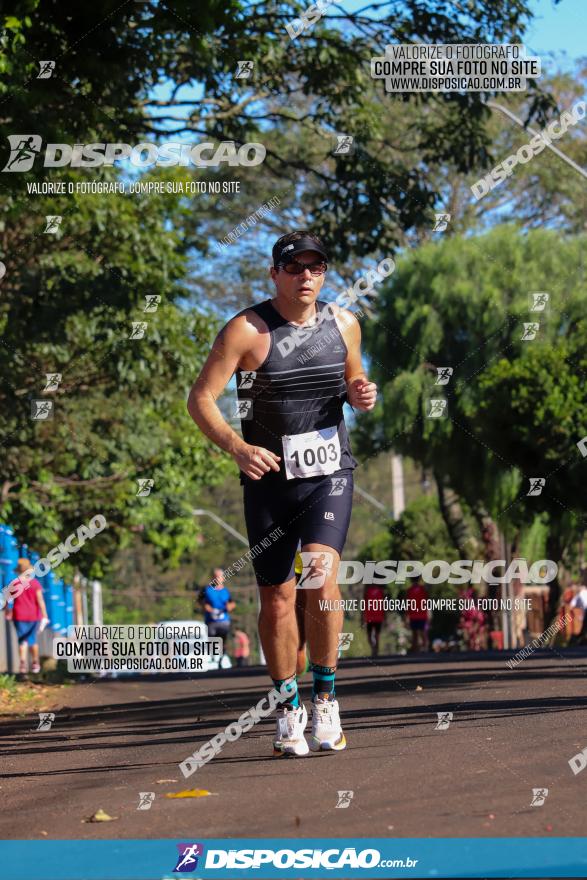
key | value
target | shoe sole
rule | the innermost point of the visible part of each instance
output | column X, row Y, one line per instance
column 325, row 746
column 286, row 753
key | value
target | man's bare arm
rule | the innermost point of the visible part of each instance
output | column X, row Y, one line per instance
column 232, row 343
column 362, row 394
column 223, row 360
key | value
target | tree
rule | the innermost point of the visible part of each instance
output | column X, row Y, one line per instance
column 419, row 533
column 463, row 304
column 119, row 414
column 533, row 412
column 159, row 72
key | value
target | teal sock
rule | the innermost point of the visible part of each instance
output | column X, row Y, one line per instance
column 293, row 700
column 323, row 681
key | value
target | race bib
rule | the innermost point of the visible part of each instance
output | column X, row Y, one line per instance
column 313, row 454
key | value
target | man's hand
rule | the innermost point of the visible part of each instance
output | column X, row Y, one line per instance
column 362, row 394
column 255, row 461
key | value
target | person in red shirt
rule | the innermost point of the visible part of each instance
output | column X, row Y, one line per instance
column 373, row 615
column 27, row 612
column 418, row 616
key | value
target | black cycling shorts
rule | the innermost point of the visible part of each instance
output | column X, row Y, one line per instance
column 315, row 510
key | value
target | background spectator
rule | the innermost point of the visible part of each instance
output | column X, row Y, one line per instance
column 218, row 604
column 242, row 648
column 418, row 617
column 373, row 615
column 27, row 612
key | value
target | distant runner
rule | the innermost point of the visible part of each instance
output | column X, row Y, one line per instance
column 297, row 359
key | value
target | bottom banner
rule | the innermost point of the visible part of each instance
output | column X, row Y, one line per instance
column 301, row 859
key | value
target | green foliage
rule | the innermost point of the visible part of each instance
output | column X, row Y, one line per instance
column 533, row 411
column 120, row 413
column 419, row 533
column 128, row 86
column 8, row 684
column 533, row 540
column 515, row 408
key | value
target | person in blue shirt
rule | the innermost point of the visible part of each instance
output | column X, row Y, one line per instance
column 218, row 604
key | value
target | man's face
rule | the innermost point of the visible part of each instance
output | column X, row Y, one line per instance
column 218, row 577
column 302, row 288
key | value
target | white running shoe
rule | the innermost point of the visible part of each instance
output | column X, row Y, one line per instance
column 327, row 732
column 289, row 736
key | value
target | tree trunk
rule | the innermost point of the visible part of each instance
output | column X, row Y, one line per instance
column 492, row 549
column 452, row 513
column 554, row 551
column 489, row 532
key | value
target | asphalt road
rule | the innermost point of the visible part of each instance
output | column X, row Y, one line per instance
column 512, row 731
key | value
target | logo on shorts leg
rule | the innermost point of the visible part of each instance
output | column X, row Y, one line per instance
column 328, row 514
column 338, row 485
column 316, row 568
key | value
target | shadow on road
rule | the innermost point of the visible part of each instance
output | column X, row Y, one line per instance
column 219, row 698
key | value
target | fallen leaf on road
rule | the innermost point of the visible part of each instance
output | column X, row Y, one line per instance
column 161, row 781
column 190, row 793
column 298, row 821
column 100, row 816
column 143, row 698
column 419, row 688
column 44, row 833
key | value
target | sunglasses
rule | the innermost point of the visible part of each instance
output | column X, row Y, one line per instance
column 296, row 268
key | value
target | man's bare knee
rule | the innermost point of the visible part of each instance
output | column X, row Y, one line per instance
column 330, row 590
column 277, row 604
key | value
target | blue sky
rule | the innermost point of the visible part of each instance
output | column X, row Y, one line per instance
column 558, row 28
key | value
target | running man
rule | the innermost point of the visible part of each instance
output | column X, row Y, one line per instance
column 296, row 362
